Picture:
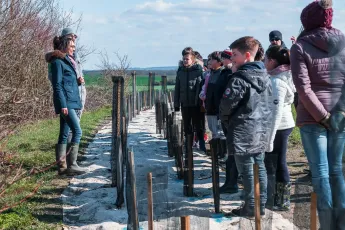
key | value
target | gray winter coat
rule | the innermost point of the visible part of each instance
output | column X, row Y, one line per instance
column 246, row 107
column 188, row 86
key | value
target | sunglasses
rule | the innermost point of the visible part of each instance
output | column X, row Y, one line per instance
column 274, row 39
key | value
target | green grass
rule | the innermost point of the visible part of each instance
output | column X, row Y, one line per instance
column 34, row 144
column 295, row 138
column 142, row 81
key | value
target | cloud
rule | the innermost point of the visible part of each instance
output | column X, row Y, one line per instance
column 155, row 32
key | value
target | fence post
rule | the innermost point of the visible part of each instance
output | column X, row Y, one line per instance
column 150, row 90
column 132, row 206
column 257, row 197
column 185, row 223
column 313, row 214
column 215, row 173
column 150, row 201
column 189, row 174
column 134, row 90
column 117, row 125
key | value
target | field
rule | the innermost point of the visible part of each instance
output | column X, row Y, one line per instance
column 142, row 81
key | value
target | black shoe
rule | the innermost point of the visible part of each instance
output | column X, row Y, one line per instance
column 227, row 189
column 243, row 211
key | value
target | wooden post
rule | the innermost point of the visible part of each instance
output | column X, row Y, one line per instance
column 313, row 215
column 133, row 191
column 185, row 223
column 189, row 174
column 257, row 197
column 134, row 90
column 117, row 125
column 150, row 201
column 215, row 173
column 150, row 90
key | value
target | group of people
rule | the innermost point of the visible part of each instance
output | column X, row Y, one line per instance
column 69, row 94
column 247, row 95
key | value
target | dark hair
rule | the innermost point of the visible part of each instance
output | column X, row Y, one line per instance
column 61, row 43
column 260, row 55
column 216, row 55
column 198, row 55
column 246, row 44
column 188, row 50
column 56, row 42
column 280, row 54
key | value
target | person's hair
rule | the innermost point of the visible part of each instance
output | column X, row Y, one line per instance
column 61, row 43
column 56, row 42
column 188, row 50
column 260, row 55
column 246, row 44
column 198, row 56
column 280, row 54
column 216, row 55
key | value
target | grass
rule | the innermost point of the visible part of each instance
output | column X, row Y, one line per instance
column 142, row 81
column 34, row 144
column 295, row 138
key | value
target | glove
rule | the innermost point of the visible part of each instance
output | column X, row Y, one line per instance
column 326, row 122
column 337, row 121
column 177, row 109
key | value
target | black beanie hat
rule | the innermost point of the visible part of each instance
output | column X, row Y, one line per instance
column 276, row 34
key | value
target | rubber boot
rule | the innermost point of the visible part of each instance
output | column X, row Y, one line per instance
column 282, row 197
column 72, row 166
column 60, row 155
column 271, row 190
column 230, row 186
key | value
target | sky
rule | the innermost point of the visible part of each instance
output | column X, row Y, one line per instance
column 154, row 32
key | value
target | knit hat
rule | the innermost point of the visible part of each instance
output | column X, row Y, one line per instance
column 226, row 54
column 67, row 31
column 275, row 34
column 317, row 14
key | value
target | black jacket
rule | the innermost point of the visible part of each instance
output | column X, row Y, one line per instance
column 188, row 86
column 246, row 107
column 215, row 89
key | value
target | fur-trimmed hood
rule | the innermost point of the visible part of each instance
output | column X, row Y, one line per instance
column 56, row 54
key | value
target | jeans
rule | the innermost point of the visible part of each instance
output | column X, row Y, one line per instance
column 324, row 150
column 245, row 166
column 275, row 161
column 213, row 126
column 67, row 123
column 193, row 121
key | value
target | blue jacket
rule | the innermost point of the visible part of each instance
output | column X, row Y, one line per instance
column 64, row 82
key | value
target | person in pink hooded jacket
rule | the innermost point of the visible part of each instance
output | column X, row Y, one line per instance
column 317, row 66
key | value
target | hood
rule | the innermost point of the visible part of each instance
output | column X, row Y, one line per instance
column 279, row 69
column 51, row 56
column 331, row 41
column 194, row 67
column 255, row 74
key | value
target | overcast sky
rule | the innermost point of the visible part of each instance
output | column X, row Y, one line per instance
column 153, row 33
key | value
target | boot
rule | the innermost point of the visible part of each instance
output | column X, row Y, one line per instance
column 230, row 186
column 271, row 185
column 282, row 197
column 72, row 166
column 60, row 155
column 245, row 211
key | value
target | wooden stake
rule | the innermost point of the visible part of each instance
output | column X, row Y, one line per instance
column 190, row 165
column 185, row 223
column 150, row 201
column 134, row 191
column 257, row 197
column 313, row 216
